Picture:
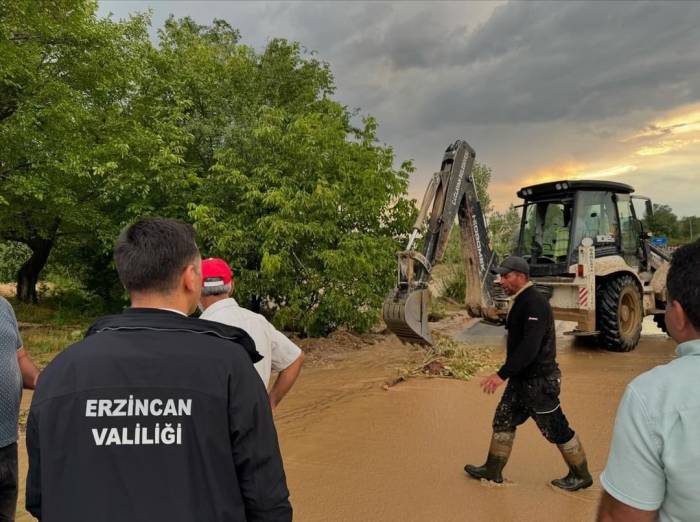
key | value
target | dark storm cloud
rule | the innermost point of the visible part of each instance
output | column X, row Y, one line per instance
column 473, row 64
column 531, row 85
column 538, row 62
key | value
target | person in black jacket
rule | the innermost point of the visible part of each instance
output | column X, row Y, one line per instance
column 533, row 382
column 155, row 416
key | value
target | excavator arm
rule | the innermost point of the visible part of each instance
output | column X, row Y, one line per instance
column 451, row 193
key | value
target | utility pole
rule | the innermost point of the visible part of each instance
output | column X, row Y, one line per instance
column 690, row 221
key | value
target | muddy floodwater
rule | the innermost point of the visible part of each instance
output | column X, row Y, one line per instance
column 354, row 451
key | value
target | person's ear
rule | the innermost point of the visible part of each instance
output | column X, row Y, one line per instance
column 191, row 279
column 676, row 319
column 679, row 315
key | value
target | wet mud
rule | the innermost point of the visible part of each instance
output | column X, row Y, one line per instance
column 398, row 455
column 354, row 451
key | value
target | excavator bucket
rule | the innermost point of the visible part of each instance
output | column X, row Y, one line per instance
column 406, row 314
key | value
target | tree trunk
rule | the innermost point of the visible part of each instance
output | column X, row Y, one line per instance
column 256, row 303
column 28, row 275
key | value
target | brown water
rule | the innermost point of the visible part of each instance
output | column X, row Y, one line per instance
column 355, row 452
column 398, row 455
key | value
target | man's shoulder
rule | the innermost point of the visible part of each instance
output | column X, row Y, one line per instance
column 669, row 387
column 95, row 356
column 252, row 316
column 148, row 321
column 5, row 307
column 657, row 377
column 229, row 312
column 531, row 300
column 216, row 338
column 532, row 294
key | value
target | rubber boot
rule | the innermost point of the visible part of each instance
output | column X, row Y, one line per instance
column 574, row 456
column 499, row 451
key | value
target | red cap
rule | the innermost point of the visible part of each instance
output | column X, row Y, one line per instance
column 215, row 272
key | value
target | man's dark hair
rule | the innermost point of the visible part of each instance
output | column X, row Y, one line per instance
column 151, row 254
column 683, row 280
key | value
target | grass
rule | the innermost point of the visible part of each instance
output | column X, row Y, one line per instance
column 49, row 327
column 43, row 343
column 53, row 312
column 59, row 320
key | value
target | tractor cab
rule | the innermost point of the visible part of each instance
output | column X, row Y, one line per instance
column 557, row 216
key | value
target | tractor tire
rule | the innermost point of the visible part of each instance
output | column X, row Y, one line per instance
column 660, row 320
column 619, row 313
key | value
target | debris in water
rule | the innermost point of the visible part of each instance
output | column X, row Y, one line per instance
column 448, row 358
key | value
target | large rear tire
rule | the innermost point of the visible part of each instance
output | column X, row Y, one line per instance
column 619, row 313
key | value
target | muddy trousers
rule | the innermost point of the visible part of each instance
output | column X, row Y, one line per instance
column 8, row 482
column 536, row 398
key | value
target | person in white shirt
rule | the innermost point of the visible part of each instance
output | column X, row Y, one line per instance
column 653, row 468
column 279, row 353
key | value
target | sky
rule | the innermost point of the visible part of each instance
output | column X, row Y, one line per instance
column 542, row 91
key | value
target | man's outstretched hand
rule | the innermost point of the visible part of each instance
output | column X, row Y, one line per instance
column 490, row 383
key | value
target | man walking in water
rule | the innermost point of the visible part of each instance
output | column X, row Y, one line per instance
column 533, row 383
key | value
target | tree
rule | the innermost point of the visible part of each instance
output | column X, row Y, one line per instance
column 503, row 230
column 307, row 207
column 501, row 225
column 89, row 140
column 481, row 174
column 104, row 127
column 663, row 223
column 688, row 228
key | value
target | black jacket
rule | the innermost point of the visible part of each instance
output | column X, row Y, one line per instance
column 531, row 347
column 155, row 417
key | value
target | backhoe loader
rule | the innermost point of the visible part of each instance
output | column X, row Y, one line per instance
column 586, row 247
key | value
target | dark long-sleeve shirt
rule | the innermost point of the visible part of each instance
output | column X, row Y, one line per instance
column 531, row 346
column 155, row 417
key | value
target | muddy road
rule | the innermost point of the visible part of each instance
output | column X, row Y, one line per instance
column 356, row 452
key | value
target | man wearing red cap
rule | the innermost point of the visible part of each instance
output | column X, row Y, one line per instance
column 279, row 353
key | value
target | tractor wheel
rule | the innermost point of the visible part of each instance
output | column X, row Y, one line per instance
column 619, row 313
column 660, row 320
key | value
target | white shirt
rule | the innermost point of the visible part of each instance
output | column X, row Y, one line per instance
column 278, row 352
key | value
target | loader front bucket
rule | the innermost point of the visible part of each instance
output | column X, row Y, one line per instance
column 406, row 315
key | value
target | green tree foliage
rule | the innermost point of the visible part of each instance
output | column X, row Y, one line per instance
column 663, row 223
column 688, row 229
column 502, row 226
column 481, row 174
column 88, row 139
column 12, row 255
column 100, row 127
column 306, row 206
column 503, row 230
